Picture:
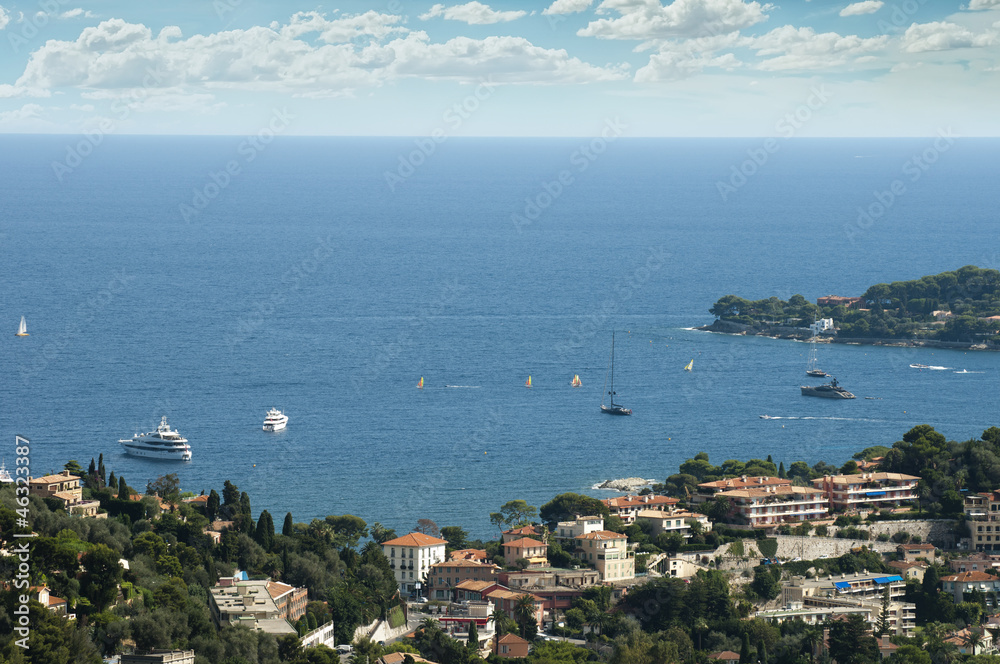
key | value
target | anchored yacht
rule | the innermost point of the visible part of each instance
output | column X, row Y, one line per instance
column 275, row 420
column 164, row 443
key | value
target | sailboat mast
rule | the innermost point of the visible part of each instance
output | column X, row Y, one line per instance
column 612, row 367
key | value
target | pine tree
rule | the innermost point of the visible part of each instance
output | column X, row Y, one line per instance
column 287, row 528
column 882, row 624
column 781, row 470
column 122, row 489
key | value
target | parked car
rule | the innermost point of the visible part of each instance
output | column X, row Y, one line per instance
column 344, row 649
column 421, row 600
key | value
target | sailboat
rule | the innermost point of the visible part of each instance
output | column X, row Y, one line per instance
column 576, row 381
column 420, row 385
column 527, row 383
column 812, row 368
column 22, row 329
column 689, row 366
column 613, row 408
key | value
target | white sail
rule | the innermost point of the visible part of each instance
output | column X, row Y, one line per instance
column 22, row 329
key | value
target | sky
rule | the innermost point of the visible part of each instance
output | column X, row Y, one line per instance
column 687, row 68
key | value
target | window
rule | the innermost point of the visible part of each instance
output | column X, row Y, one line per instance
column 411, row 575
column 392, row 552
column 411, row 553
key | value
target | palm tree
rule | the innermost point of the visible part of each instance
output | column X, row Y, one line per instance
column 973, row 640
column 500, row 621
column 811, row 636
column 524, row 612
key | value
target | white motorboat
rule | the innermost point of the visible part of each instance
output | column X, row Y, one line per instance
column 275, row 420
column 164, row 443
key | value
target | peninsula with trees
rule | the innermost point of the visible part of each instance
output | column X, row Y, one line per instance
column 959, row 309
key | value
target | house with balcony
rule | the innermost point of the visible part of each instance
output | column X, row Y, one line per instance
column 461, row 616
column 708, row 490
column 411, row 557
column 673, row 521
column 446, row 575
column 768, row 507
column 608, row 552
column 967, row 582
column 853, row 593
column 566, row 532
column 961, row 640
column 535, row 552
column 64, row 487
column 982, row 511
column 867, row 491
column 626, row 507
column 506, row 600
column 557, row 588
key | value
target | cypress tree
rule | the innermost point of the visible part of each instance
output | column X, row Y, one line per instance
column 245, row 503
column 781, row 470
column 122, row 489
column 92, row 470
column 287, row 529
column 745, row 650
column 212, row 506
column 264, row 534
column 113, row 481
column 100, row 468
column 473, row 635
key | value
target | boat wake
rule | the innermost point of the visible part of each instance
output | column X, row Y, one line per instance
column 930, row 367
column 810, row 417
column 965, row 371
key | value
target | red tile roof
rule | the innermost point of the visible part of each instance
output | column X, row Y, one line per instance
column 525, row 543
column 725, row 655
column 741, row 482
column 415, row 539
column 629, row 502
column 601, row 535
column 970, row 577
column 508, row 639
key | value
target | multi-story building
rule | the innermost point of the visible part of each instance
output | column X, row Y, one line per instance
column 608, row 552
column 708, row 490
column 512, row 646
column 867, row 491
column 65, row 487
column 626, row 507
column 532, row 550
column 854, row 591
column 557, row 588
column 291, row 601
column 911, row 553
column 977, row 562
column 768, row 507
column 566, row 531
column 157, row 656
column 506, row 600
column 673, row 521
column 968, row 582
column 982, row 511
column 530, row 532
column 446, row 575
column 411, row 557
column 247, row 603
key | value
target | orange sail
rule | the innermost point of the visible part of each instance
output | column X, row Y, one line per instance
column 527, row 383
column 420, row 385
column 576, row 381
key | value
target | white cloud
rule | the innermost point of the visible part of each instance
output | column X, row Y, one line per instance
column 4, row 18
column 8, row 91
column 984, row 4
column 120, row 58
column 26, row 112
column 74, row 13
column 648, row 19
column 566, row 7
column 942, row 36
column 859, row 8
column 473, row 13
column 87, row 108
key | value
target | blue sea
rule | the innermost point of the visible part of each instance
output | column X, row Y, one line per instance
column 177, row 276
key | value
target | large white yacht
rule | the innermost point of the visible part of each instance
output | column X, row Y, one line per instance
column 275, row 420
column 163, row 443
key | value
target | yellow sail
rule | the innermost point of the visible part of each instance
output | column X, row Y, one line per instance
column 527, row 383
column 576, row 381
column 22, row 329
column 689, row 366
column 420, row 385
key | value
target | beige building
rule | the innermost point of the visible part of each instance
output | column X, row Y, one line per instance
column 411, row 557
column 967, row 582
column 608, row 553
column 768, row 507
column 567, row 531
column 867, row 491
column 626, row 507
column 248, row 603
column 673, row 521
column 64, row 487
column 853, row 591
column 446, row 575
column 708, row 490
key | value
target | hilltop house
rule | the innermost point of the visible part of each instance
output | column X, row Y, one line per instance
column 64, row 487
column 608, row 552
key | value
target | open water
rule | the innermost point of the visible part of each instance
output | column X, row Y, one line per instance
column 306, row 282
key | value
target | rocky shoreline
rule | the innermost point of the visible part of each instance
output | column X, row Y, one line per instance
column 624, row 484
column 803, row 334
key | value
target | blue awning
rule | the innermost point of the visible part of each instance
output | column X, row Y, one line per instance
column 842, row 585
column 875, row 493
column 888, row 579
